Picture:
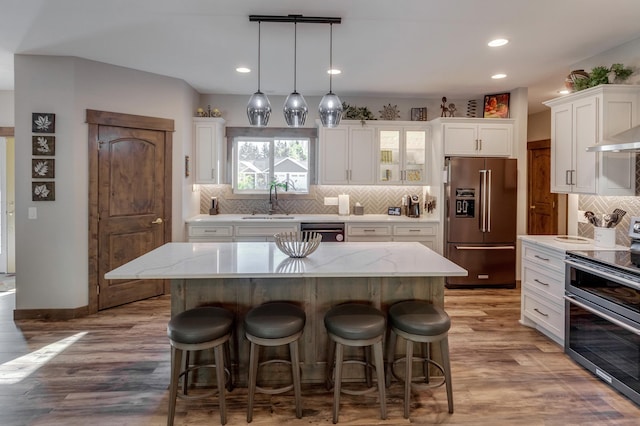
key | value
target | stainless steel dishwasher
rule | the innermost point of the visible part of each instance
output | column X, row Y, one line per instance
column 330, row 231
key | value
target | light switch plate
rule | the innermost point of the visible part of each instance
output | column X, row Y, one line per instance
column 33, row 212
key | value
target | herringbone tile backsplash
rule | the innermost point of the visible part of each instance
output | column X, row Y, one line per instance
column 602, row 205
column 374, row 199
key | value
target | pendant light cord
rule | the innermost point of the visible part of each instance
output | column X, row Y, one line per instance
column 295, row 53
column 330, row 57
column 259, row 24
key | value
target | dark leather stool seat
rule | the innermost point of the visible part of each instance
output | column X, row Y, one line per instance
column 420, row 322
column 274, row 324
column 359, row 325
column 195, row 330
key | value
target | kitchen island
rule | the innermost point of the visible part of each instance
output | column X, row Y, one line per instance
column 239, row 276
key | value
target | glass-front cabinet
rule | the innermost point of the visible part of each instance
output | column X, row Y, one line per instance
column 402, row 156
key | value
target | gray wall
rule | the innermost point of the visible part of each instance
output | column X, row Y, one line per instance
column 51, row 251
column 7, row 113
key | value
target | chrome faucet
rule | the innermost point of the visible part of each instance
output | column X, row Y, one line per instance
column 273, row 198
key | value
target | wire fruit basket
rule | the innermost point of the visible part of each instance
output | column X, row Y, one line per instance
column 298, row 244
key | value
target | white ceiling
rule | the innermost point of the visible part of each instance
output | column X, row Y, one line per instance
column 403, row 48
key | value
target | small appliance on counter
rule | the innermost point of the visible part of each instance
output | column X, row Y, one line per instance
column 214, row 206
column 413, row 206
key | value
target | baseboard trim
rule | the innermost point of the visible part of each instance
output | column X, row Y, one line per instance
column 51, row 314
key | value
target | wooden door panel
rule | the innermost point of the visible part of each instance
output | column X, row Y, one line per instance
column 542, row 204
column 131, row 208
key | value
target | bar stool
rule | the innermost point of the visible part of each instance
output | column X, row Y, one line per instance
column 420, row 322
column 199, row 329
column 274, row 324
column 356, row 325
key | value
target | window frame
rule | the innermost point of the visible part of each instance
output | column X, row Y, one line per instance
column 284, row 133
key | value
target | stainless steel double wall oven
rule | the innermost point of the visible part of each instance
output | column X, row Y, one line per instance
column 602, row 316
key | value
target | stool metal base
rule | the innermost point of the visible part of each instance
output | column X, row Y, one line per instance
column 408, row 377
column 256, row 342
column 177, row 349
column 337, row 344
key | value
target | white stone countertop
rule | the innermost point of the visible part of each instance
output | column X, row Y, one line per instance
column 555, row 242
column 264, row 259
column 295, row 218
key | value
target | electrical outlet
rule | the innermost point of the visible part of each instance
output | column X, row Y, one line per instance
column 581, row 218
column 330, row 201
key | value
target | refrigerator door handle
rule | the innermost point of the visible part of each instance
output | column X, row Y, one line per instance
column 488, row 204
column 483, row 200
column 485, row 247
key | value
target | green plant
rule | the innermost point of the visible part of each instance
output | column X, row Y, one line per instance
column 354, row 113
column 602, row 75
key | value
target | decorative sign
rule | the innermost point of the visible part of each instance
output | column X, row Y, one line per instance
column 43, row 168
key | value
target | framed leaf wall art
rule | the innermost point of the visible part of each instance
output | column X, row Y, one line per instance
column 43, row 168
column 43, row 122
column 43, row 191
column 43, row 145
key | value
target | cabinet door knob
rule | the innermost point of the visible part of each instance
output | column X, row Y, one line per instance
column 157, row 221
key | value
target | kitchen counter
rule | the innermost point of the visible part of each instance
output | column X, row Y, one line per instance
column 244, row 218
column 242, row 275
column 551, row 241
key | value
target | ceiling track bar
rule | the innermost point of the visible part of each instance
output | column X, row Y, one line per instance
column 295, row 19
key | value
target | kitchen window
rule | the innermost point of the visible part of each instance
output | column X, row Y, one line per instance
column 259, row 158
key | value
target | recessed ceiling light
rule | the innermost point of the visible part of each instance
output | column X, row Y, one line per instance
column 334, row 71
column 243, row 70
column 498, row 42
column 498, row 76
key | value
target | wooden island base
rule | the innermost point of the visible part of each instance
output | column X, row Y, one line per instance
column 316, row 295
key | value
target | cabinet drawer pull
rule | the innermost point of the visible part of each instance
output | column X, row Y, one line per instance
column 369, row 230
column 540, row 282
column 210, row 230
column 541, row 313
column 414, row 230
column 541, row 258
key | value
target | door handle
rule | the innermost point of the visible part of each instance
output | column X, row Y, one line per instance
column 532, row 207
column 157, row 221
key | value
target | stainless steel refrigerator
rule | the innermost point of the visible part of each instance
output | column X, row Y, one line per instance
column 480, row 227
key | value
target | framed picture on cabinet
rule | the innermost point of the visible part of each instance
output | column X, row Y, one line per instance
column 496, row 106
column 43, row 145
column 419, row 114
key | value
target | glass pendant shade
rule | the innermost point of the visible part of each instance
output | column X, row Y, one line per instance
column 330, row 107
column 295, row 110
column 259, row 109
column 295, row 107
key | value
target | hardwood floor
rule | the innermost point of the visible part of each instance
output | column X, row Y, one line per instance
column 118, row 372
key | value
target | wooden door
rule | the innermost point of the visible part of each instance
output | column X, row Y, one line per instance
column 130, row 199
column 543, row 205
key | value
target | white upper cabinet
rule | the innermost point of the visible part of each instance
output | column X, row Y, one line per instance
column 347, row 155
column 208, row 136
column 481, row 137
column 402, row 157
column 585, row 119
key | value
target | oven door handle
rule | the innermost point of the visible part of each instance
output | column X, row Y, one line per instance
column 602, row 274
column 609, row 318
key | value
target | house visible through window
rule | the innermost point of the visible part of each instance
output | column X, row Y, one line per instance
column 260, row 160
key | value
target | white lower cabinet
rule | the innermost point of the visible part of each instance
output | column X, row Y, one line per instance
column 542, row 290
column 262, row 232
column 424, row 233
column 207, row 232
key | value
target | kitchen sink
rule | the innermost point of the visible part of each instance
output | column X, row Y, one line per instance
column 267, row 217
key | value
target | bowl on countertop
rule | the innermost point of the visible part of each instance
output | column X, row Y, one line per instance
column 297, row 244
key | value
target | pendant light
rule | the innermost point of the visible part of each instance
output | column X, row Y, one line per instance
column 259, row 107
column 295, row 107
column 330, row 107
